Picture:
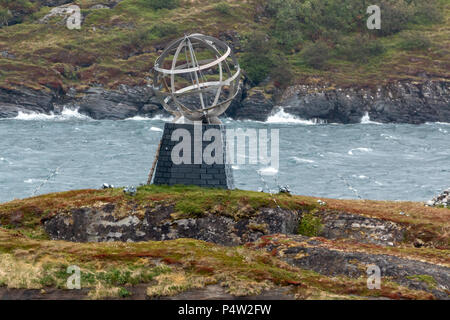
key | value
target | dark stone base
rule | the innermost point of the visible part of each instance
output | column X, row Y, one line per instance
column 198, row 174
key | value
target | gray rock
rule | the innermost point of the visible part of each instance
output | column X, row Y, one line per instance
column 255, row 106
column 9, row 110
column 27, row 99
column 98, row 108
column 401, row 102
column 441, row 200
column 353, row 264
column 131, row 191
column 7, row 55
column 98, row 224
column 362, row 229
column 99, row 6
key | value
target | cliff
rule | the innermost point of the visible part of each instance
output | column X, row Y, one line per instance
column 188, row 242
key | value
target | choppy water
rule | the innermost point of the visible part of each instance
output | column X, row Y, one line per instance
column 41, row 154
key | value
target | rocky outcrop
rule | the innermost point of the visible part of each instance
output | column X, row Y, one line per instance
column 24, row 99
column 98, row 224
column 256, row 105
column 329, row 259
column 403, row 102
column 441, row 200
column 336, row 225
column 63, row 11
column 125, row 102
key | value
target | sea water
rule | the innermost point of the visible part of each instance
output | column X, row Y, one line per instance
column 50, row 153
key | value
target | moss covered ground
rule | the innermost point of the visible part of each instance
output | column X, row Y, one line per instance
column 29, row 260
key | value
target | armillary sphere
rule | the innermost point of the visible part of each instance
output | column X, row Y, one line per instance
column 196, row 78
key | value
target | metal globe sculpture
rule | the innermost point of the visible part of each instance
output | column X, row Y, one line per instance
column 196, row 78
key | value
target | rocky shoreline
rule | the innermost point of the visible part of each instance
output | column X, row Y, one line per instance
column 402, row 102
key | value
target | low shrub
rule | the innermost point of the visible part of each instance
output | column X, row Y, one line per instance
column 223, row 8
column 415, row 41
column 310, row 225
column 164, row 30
column 161, row 4
column 359, row 48
column 316, row 54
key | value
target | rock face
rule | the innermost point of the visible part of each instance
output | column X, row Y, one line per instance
column 404, row 102
column 97, row 224
column 23, row 99
column 362, row 229
column 401, row 102
column 318, row 256
column 255, row 106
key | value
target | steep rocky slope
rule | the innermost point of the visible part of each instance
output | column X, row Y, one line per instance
column 103, row 68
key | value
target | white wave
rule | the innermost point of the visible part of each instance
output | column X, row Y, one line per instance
column 66, row 114
column 366, row 119
column 33, row 180
column 441, row 123
column 34, row 116
column 5, row 160
column 235, row 167
column 157, row 117
column 269, row 171
column 283, row 117
column 155, row 129
column 351, row 152
column 139, row 118
column 361, row 176
column 301, row 160
column 388, row 137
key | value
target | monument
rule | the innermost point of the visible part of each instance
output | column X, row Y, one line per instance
column 196, row 78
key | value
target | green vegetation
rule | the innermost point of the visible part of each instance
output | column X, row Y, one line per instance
column 223, row 8
column 429, row 280
column 283, row 41
column 160, row 4
column 170, row 267
column 413, row 41
column 25, row 216
column 310, row 225
column 189, row 201
column 5, row 15
column 29, row 260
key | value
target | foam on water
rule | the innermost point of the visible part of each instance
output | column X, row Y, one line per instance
column 301, row 160
column 33, row 181
column 66, row 114
column 121, row 152
column 366, row 119
column 283, row 117
column 5, row 160
column 269, row 171
column 362, row 150
column 157, row 117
